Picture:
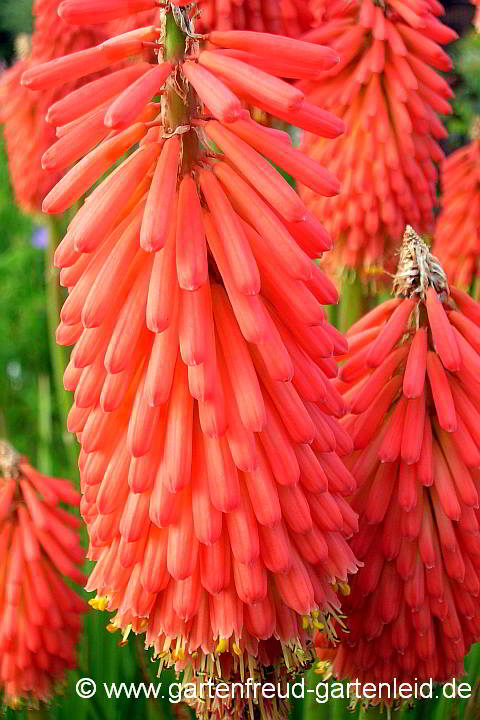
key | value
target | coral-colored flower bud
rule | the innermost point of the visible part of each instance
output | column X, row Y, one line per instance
column 296, row 51
column 84, row 62
column 252, row 82
column 133, row 99
column 414, row 379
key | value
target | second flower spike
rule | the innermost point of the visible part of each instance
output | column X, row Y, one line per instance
column 411, row 384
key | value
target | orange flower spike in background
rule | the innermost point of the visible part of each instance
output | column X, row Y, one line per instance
column 284, row 17
column 212, row 484
column 412, row 610
column 457, row 234
column 388, row 91
column 40, row 615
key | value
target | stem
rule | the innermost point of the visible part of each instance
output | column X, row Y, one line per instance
column 39, row 713
column 312, row 710
column 154, row 709
column 476, row 289
column 44, row 462
column 175, row 40
column 176, row 90
column 443, row 709
column 473, row 662
column 351, row 306
column 180, row 99
column 57, row 352
column 473, row 667
column 339, row 708
column 372, row 712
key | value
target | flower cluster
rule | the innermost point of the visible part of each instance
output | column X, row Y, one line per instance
column 40, row 615
column 27, row 135
column 388, row 91
column 411, row 382
column 457, row 235
column 213, row 487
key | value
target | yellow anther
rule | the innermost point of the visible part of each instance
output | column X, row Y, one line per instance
column 237, row 649
column 345, row 589
column 260, row 116
column 305, row 622
column 315, row 613
column 318, row 625
column 99, row 602
column 375, row 270
column 222, row 645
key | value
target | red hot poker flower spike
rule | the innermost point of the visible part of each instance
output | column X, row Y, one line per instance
column 412, row 611
column 40, row 615
column 212, row 484
column 457, row 234
column 388, row 91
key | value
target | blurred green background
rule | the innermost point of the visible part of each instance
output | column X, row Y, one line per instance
column 32, row 412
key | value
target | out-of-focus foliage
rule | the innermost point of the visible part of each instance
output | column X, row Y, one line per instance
column 28, row 410
column 16, row 16
column 466, row 104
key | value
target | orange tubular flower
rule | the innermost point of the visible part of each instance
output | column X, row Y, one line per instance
column 40, row 615
column 411, row 381
column 388, row 91
column 281, row 17
column 457, row 236
column 213, row 488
